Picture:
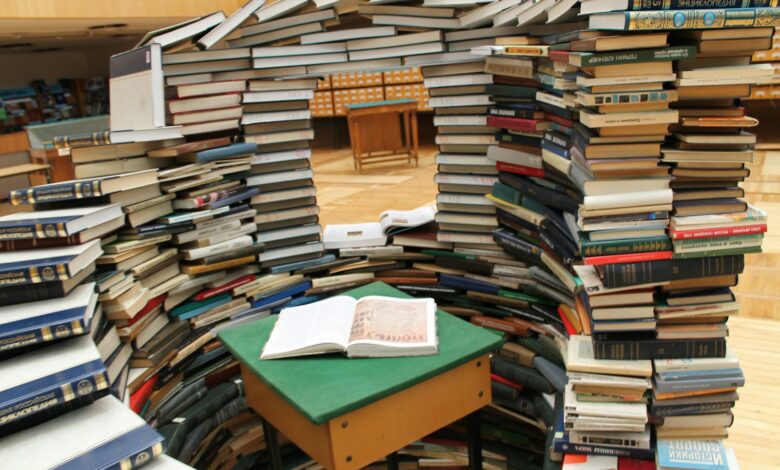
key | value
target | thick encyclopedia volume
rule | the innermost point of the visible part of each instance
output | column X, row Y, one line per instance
column 648, row 272
column 631, row 349
column 659, row 20
column 640, row 5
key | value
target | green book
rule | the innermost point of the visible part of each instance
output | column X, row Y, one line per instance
column 325, row 387
column 703, row 254
column 718, row 241
column 449, row 254
column 510, row 294
column 595, row 59
column 507, row 193
column 616, row 247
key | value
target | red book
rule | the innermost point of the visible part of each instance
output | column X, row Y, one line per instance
column 507, row 382
column 629, row 257
column 208, row 293
column 141, row 396
column 559, row 56
column 151, row 305
column 717, row 232
column 519, row 169
column 558, row 119
column 515, row 124
column 566, row 323
column 626, row 463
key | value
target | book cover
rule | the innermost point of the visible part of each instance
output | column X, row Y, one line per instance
column 691, row 454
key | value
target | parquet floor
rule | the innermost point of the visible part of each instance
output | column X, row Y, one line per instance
column 348, row 196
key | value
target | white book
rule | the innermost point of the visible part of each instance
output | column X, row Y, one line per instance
column 228, row 234
column 482, row 33
column 104, row 434
column 276, row 35
column 580, row 358
column 468, row 45
column 460, row 120
column 183, row 31
column 466, row 199
column 477, row 139
column 206, row 56
column 603, row 187
column 287, row 214
column 286, row 195
column 466, row 219
column 416, row 21
column 146, row 135
column 483, row 15
column 472, row 180
column 289, row 252
column 510, row 15
column 278, row 177
column 457, row 101
column 275, row 10
column 458, row 159
column 730, row 361
column 458, row 80
column 290, row 136
column 278, row 116
column 137, row 87
column 394, row 41
column 373, row 326
column 348, row 34
column 276, row 157
column 218, row 248
column 286, row 51
column 444, row 57
column 231, row 23
column 514, row 157
column 265, row 63
column 399, row 51
column 622, row 119
column 536, row 14
column 163, row 462
column 273, row 96
column 363, row 235
column 453, row 3
column 376, row 65
column 286, row 233
column 288, row 22
column 638, row 199
column 628, row 411
column 150, row 330
column 585, row 81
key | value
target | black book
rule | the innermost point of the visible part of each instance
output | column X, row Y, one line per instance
column 647, row 272
column 528, row 188
column 525, row 376
column 11, row 295
column 635, row 347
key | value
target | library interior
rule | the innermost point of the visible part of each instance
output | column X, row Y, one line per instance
column 403, row 234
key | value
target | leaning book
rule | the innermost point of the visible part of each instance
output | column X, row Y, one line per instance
column 373, row 326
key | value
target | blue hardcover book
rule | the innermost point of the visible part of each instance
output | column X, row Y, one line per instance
column 691, row 454
column 306, row 299
column 295, row 266
column 459, row 282
column 660, row 20
column 47, row 377
column 84, row 188
column 698, row 374
column 220, row 153
column 47, row 320
column 106, row 435
column 698, row 384
column 46, row 265
column 56, row 223
column 289, row 292
column 556, row 149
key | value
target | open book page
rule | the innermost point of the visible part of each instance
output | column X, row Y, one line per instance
column 384, row 326
column 315, row 328
column 393, row 221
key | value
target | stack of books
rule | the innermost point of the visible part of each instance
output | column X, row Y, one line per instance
column 59, row 354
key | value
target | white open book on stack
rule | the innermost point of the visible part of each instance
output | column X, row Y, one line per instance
column 373, row 326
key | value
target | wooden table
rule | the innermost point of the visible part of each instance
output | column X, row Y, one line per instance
column 376, row 134
column 348, row 413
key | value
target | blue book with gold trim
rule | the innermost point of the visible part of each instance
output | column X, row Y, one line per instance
column 45, row 265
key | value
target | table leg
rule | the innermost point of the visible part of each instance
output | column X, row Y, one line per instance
column 475, row 441
column 392, row 461
column 407, row 140
column 415, row 139
column 272, row 444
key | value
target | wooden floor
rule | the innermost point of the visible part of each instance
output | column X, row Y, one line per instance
column 348, row 196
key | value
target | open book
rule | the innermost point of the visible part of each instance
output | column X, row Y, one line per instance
column 363, row 235
column 373, row 326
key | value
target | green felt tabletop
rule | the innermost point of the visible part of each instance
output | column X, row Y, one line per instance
column 372, row 104
column 324, row 387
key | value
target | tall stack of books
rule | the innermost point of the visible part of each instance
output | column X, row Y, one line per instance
column 59, row 355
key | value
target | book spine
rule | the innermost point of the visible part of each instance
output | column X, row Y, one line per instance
column 589, row 449
column 35, row 397
column 643, row 5
column 509, row 70
column 519, row 169
column 57, row 192
column 513, row 113
column 516, row 124
column 551, row 198
column 694, row 409
column 659, row 349
column 500, row 325
column 633, row 57
column 629, row 257
column 17, row 275
column 529, row 251
column 82, row 140
column 59, row 330
column 718, row 252
column 207, row 294
column 614, row 247
column 646, row 272
column 703, row 384
column 701, row 19
column 718, row 232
